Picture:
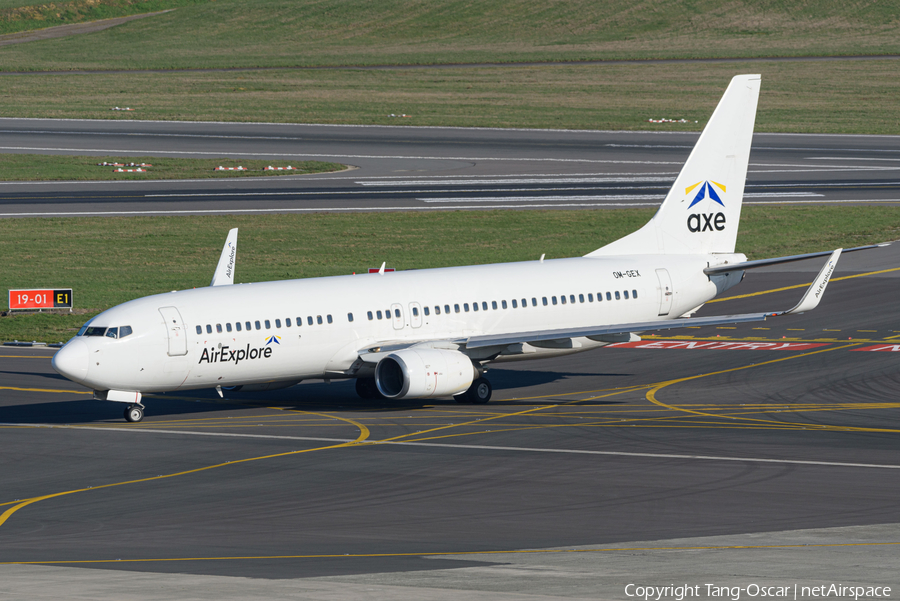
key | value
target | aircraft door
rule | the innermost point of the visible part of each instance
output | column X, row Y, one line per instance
column 397, row 316
column 415, row 315
column 666, row 292
column 175, row 331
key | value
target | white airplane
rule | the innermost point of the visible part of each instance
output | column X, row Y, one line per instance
column 430, row 333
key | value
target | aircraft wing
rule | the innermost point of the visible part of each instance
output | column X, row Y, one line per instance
column 809, row 302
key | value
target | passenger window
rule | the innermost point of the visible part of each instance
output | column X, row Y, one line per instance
column 369, row 315
column 237, row 326
column 378, row 313
column 112, row 333
column 545, row 301
column 494, row 305
column 287, row 321
column 534, row 301
column 328, row 317
column 456, row 308
column 515, row 304
column 199, row 329
column 396, row 312
column 228, row 327
column 617, row 295
column 524, row 303
column 219, row 328
column 474, row 306
column 484, row 305
column 208, row 329
column 349, row 316
column 124, row 331
column 258, row 327
column 634, row 294
column 580, row 298
column 590, row 297
column 447, row 309
column 572, row 299
column 562, row 298
column 247, row 326
column 626, row 295
column 466, row 307
column 309, row 320
column 426, row 311
column 437, row 309
column 268, row 325
column 277, row 323
column 299, row 321
column 553, row 299
column 503, row 304
column 415, row 312
column 608, row 296
column 319, row 319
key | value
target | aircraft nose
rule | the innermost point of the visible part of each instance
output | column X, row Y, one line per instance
column 72, row 360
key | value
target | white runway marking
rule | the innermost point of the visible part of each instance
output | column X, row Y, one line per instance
column 477, row 447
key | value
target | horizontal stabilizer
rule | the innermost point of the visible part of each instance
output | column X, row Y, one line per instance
column 766, row 262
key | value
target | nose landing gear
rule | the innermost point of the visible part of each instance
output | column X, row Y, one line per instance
column 134, row 413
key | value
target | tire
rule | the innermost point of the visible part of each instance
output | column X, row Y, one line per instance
column 134, row 413
column 480, row 391
column 463, row 398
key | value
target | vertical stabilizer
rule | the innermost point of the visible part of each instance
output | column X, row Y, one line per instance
column 701, row 212
column 224, row 274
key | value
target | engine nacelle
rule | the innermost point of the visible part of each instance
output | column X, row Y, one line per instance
column 424, row 372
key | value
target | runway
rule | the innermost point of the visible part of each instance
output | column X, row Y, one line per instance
column 406, row 168
column 789, row 428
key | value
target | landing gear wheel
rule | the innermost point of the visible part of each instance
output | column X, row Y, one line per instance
column 367, row 389
column 134, row 413
column 478, row 393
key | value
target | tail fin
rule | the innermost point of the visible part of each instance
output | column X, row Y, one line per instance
column 701, row 212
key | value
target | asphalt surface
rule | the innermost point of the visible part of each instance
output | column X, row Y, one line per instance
column 762, row 453
column 405, row 168
column 675, row 456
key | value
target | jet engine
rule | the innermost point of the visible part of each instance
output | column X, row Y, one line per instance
column 424, row 372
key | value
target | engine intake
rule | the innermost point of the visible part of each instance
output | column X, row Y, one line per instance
column 424, row 372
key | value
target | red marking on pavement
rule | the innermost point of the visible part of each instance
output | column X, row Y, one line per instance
column 885, row 348
column 719, row 346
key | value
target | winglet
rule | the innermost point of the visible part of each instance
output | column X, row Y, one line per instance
column 816, row 291
column 225, row 269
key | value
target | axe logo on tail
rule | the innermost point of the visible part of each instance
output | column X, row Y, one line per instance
column 706, row 222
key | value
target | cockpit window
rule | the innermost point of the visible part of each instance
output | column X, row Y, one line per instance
column 84, row 327
column 112, row 333
column 95, row 331
column 124, row 331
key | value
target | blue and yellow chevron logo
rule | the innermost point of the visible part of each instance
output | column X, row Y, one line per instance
column 706, row 189
column 275, row 339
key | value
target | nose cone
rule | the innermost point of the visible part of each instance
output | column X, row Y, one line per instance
column 71, row 360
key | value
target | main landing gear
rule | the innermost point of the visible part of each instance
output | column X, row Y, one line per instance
column 478, row 393
column 134, row 413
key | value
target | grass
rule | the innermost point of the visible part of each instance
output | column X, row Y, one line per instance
column 225, row 33
column 108, row 261
column 818, row 97
column 28, row 15
column 34, row 167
